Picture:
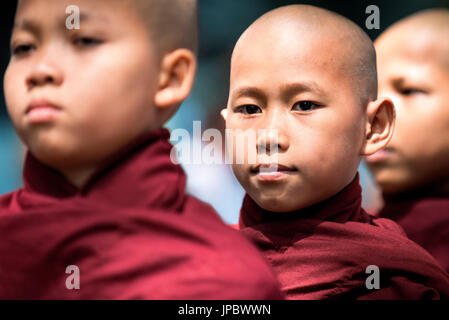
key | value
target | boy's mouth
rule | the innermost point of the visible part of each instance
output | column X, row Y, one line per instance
column 272, row 172
column 39, row 111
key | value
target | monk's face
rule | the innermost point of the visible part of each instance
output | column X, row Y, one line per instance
column 295, row 85
column 414, row 75
column 76, row 96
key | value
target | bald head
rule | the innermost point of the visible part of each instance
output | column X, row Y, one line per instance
column 173, row 24
column 341, row 42
column 430, row 31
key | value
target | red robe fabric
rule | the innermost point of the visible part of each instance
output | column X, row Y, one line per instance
column 425, row 219
column 322, row 252
column 132, row 232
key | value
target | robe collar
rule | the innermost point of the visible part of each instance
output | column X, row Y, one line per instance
column 399, row 206
column 140, row 175
column 282, row 230
column 342, row 207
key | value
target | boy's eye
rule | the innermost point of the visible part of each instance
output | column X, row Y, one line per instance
column 86, row 42
column 304, row 106
column 22, row 49
column 248, row 109
column 410, row 91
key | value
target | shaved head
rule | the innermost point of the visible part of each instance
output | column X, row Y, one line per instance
column 430, row 30
column 348, row 46
column 173, row 24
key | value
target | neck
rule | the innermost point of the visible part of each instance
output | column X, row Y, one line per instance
column 140, row 175
column 435, row 189
column 442, row 188
column 79, row 176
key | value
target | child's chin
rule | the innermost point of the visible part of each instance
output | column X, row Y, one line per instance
column 392, row 180
column 276, row 204
column 53, row 159
column 55, row 154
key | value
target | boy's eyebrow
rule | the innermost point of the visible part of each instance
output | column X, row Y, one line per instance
column 85, row 16
column 293, row 88
column 33, row 26
column 398, row 81
column 401, row 81
column 287, row 90
column 249, row 91
column 25, row 24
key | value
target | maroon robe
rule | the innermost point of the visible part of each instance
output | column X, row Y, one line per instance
column 323, row 251
column 132, row 232
column 425, row 219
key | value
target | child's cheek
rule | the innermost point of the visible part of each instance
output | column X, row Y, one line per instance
column 242, row 174
column 14, row 98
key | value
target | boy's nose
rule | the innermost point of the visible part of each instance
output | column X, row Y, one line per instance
column 268, row 143
column 44, row 73
column 272, row 137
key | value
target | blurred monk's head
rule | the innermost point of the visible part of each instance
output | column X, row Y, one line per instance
column 309, row 74
column 76, row 96
column 413, row 66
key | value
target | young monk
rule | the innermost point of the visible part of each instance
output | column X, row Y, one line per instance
column 103, row 213
column 309, row 75
column 413, row 170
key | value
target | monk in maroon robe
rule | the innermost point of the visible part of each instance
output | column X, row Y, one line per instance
column 323, row 251
column 103, row 213
column 303, row 81
column 413, row 170
column 425, row 219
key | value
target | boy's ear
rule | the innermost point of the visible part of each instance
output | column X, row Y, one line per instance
column 381, row 117
column 176, row 78
column 224, row 113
